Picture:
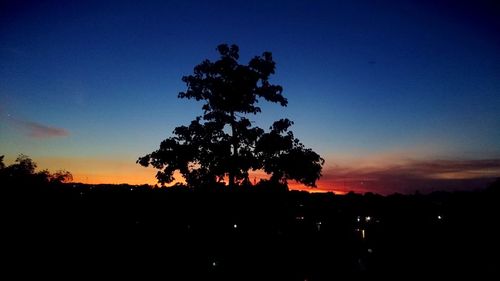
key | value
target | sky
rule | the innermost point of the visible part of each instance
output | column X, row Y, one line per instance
column 396, row 96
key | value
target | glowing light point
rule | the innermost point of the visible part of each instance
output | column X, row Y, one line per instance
column 318, row 226
column 439, row 217
column 235, row 226
column 368, row 218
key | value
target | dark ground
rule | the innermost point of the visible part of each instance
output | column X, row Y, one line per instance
column 73, row 231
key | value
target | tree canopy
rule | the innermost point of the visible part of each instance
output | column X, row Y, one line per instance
column 222, row 143
column 23, row 170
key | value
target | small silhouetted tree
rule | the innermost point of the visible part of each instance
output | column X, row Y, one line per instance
column 2, row 165
column 222, row 142
column 23, row 170
column 23, row 166
column 60, row 176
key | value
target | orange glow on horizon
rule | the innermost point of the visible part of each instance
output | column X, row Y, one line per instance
column 378, row 178
column 97, row 170
column 321, row 187
column 136, row 175
column 113, row 179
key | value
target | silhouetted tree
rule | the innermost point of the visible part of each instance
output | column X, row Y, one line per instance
column 60, row 176
column 24, row 171
column 2, row 165
column 23, row 166
column 222, row 142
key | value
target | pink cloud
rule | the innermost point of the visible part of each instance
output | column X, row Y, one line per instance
column 31, row 128
column 408, row 177
column 37, row 130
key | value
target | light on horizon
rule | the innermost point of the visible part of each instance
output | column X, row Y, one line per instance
column 318, row 226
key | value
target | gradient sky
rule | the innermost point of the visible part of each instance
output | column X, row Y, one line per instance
column 397, row 96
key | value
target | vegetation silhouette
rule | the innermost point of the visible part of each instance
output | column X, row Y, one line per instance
column 71, row 229
column 23, row 171
column 223, row 142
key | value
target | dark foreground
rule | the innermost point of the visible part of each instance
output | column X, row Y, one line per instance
column 73, row 231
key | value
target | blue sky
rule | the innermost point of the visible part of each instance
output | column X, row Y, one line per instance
column 364, row 79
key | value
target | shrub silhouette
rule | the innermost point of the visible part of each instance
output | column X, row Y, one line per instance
column 23, row 171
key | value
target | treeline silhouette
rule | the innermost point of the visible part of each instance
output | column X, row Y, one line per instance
column 72, row 230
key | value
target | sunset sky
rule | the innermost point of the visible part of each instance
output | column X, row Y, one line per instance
column 397, row 96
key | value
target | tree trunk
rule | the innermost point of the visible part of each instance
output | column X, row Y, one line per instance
column 234, row 140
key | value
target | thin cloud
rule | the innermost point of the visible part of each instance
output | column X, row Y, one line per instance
column 39, row 131
column 33, row 129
